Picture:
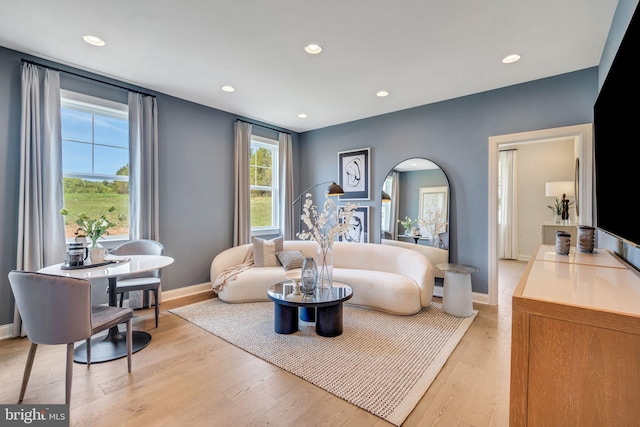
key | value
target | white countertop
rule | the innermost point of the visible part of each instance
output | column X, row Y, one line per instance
column 584, row 282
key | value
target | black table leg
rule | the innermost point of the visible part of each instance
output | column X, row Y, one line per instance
column 308, row 314
column 329, row 320
column 114, row 344
column 285, row 319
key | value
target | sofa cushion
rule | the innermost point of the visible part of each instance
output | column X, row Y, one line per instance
column 290, row 259
column 252, row 284
column 264, row 252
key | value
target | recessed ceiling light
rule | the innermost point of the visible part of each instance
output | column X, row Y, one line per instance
column 302, row 116
column 511, row 58
column 382, row 93
column 93, row 40
column 228, row 88
column 313, row 49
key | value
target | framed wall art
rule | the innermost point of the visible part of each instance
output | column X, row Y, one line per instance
column 354, row 172
column 358, row 231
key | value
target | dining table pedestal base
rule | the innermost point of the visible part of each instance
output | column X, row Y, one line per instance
column 111, row 347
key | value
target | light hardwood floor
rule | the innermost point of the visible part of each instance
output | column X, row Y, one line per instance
column 188, row 377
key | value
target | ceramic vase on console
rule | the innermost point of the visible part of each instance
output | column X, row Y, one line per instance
column 324, row 260
column 97, row 253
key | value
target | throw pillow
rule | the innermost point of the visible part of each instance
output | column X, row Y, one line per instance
column 264, row 252
column 290, row 259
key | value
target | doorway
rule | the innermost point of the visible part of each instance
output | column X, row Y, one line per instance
column 583, row 143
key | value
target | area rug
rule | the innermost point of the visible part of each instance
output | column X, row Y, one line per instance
column 387, row 362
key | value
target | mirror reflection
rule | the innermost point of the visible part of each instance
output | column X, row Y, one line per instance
column 415, row 209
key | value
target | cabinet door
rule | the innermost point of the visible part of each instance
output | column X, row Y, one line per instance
column 582, row 375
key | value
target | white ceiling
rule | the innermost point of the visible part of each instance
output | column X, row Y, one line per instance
column 421, row 51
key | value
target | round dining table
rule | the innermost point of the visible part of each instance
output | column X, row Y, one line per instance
column 113, row 345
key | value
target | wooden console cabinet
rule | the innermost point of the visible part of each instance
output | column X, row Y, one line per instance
column 575, row 345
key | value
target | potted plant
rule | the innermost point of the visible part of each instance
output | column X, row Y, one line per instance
column 407, row 224
column 556, row 208
column 94, row 229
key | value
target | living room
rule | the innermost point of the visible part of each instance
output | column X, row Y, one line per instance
column 196, row 157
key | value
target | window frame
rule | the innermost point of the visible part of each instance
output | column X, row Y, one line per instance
column 274, row 146
column 107, row 108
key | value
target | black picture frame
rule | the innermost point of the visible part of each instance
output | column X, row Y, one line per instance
column 354, row 170
column 359, row 231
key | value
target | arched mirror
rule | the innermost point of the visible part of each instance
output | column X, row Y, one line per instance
column 415, row 210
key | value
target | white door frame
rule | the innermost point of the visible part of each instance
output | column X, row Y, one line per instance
column 583, row 139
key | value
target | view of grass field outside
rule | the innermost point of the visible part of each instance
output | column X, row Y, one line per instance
column 262, row 190
column 94, row 198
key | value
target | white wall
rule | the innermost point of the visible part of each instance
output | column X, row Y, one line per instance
column 539, row 163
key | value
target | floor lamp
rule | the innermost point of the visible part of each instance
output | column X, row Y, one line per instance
column 332, row 190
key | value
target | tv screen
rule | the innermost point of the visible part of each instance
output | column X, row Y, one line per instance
column 617, row 141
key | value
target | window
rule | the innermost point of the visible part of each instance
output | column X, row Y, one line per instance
column 95, row 159
column 264, row 179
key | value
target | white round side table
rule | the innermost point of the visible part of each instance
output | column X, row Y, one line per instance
column 456, row 295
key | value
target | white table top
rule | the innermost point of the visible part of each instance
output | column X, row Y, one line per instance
column 135, row 264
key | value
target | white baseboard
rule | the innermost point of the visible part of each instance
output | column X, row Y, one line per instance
column 480, row 298
column 185, row 291
column 6, row 331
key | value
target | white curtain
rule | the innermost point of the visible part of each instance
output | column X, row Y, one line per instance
column 143, row 176
column 395, row 205
column 143, row 167
column 508, row 212
column 242, row 203
column 286, row 187
column 41, row 237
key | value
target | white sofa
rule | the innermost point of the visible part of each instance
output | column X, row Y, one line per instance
column 386, row 278
column 435, row 255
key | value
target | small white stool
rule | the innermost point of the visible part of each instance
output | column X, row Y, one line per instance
column 456, row 296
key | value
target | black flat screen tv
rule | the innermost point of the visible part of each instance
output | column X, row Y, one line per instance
column 617, row 141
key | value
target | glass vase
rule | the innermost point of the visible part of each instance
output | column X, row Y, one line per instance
column 97, row 253
column 309, row 276
column 324, row 260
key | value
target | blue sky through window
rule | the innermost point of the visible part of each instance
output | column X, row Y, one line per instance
column 92, row 143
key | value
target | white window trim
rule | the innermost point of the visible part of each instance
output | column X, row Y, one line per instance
column 269, row 143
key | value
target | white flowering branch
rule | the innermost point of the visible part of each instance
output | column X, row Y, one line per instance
column 325, row 226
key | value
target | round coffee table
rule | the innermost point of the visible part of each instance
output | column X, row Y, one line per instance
column 324, row 306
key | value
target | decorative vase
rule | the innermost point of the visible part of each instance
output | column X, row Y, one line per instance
column 563, row 242
column 97, row 253
column 309, row 275
column 556, row 218
column 324, row 260
column 586, row 236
